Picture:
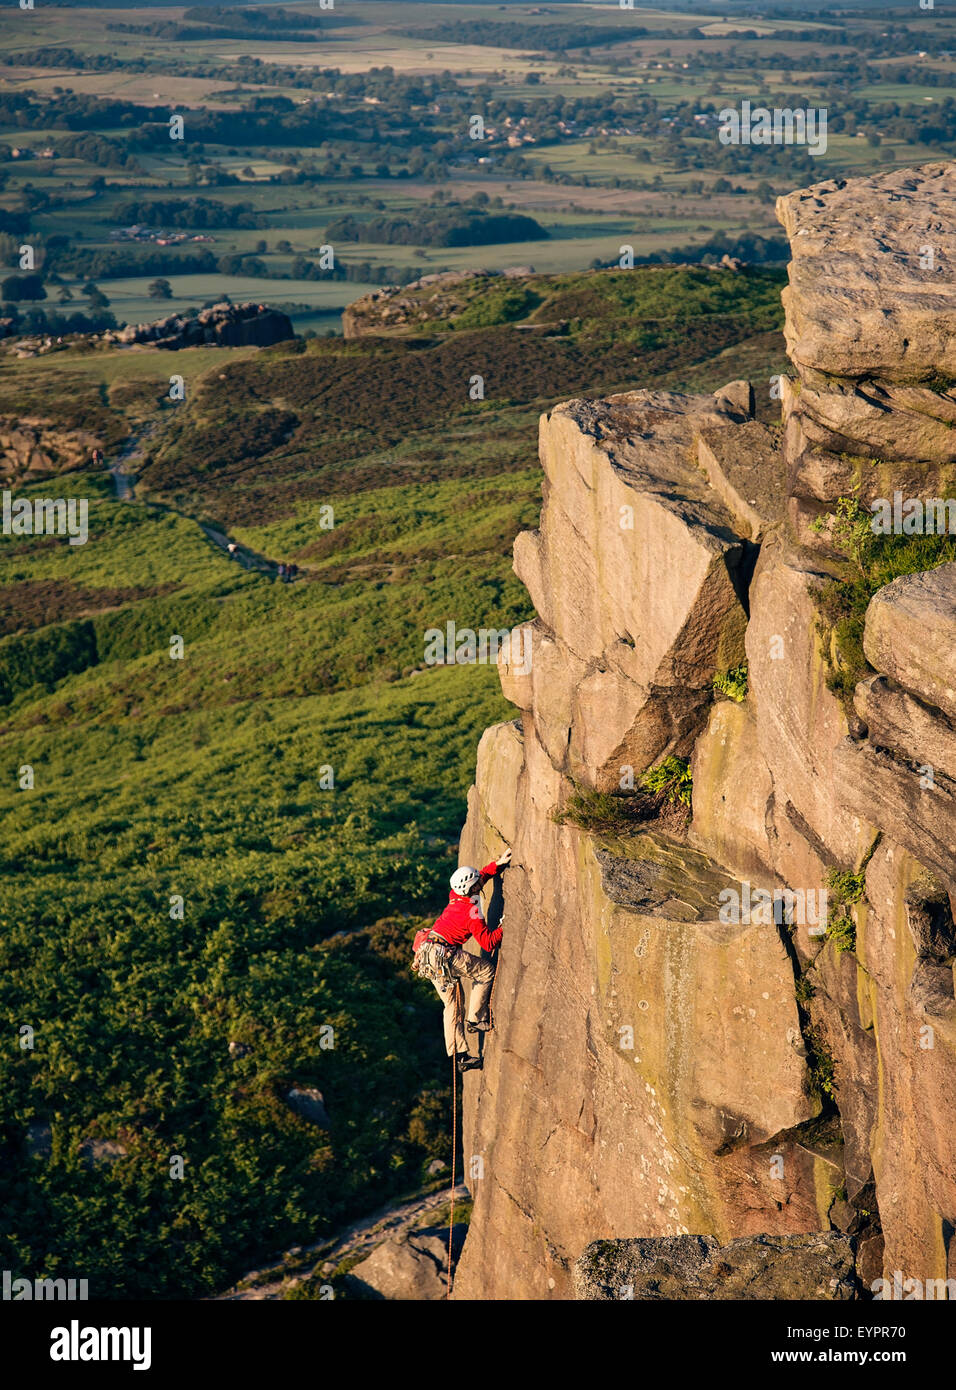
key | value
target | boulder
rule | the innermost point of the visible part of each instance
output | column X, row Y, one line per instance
column 897, row 721
column 410, row 1267
column 309, row 1104
column 910, row 635
column 101, row 1151
column 629, row 527
column 32, row 447
column 223, row 325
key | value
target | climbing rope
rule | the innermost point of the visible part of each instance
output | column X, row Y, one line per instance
column 454, row 1128
column 494, row 985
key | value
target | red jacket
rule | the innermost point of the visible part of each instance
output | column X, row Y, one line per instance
column 462, row 917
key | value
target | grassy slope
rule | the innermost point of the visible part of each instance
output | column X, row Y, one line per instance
column 202, row 777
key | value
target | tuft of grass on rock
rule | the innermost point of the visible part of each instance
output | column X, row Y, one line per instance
column 872, row 561
column 604, row 813
column 844, row 889
column 670, row 781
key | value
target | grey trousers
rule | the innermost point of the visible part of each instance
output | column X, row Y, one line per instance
column 481, row 971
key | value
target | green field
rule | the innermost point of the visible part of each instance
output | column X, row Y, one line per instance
column 322, row 302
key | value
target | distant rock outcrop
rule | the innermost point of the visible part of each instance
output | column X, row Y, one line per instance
column 662, row 1069
column 402, row 307
column 32, row 448
column 222, row 325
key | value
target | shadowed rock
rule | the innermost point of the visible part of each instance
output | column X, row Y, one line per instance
column 309, row 1104
column 222, row 325
column 814, row 1266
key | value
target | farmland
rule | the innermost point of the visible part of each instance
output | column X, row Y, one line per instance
column 599, row 122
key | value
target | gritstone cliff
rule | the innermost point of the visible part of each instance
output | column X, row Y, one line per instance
column 657, row 1071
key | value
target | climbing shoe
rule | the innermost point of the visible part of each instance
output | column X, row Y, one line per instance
column 483, row 1025
column 468, row 1063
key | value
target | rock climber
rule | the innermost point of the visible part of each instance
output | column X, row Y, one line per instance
column 439, row 957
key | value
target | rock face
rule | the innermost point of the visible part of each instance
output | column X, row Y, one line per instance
column 627, row 512
column 740, row 1031
column 698, row 1267
column 871, row 274
column 222, row 325
column 870, row 315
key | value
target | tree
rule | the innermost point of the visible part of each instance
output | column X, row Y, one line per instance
column 160, row 289
column 22, row 287
column 98, row 299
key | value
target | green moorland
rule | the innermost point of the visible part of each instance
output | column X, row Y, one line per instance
column 235, row 845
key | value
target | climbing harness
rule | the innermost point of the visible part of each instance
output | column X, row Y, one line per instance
column 431, row 959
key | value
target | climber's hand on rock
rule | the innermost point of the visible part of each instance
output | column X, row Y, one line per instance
column 504, row 859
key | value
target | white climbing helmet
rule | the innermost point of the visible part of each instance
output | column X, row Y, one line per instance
column 464, row 879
